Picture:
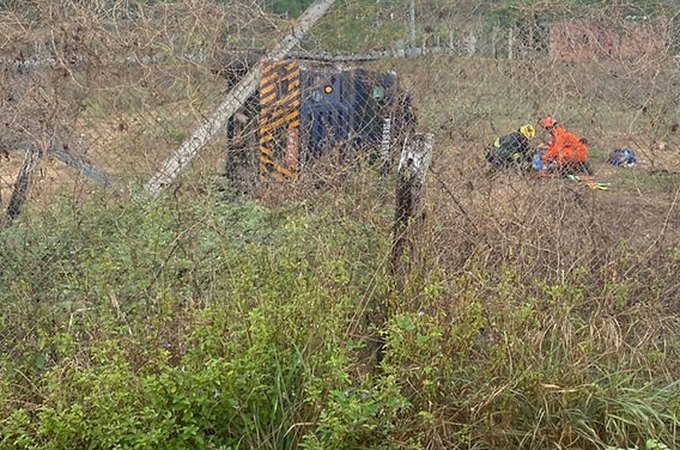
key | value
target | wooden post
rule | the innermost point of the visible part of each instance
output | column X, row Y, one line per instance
column 410, row 202
column 409, row 215
column 412, row 23
column 22, row 185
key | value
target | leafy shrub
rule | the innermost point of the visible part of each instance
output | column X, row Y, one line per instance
column 232, row 325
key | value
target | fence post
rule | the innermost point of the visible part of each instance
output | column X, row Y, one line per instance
column 414, row 162
column 22, row 185
column 410, row 202
column 552, row 53
column 412, row 23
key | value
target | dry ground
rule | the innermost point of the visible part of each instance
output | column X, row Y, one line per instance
column 465, row 102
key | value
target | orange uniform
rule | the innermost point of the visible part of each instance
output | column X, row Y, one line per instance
column 565, row 148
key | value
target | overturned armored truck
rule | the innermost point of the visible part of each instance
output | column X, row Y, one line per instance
column 305, row 110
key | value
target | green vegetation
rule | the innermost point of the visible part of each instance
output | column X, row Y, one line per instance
column 361, row 25
column 355, row 26
column 291, row 7
column 159, row 326
column 209, row 324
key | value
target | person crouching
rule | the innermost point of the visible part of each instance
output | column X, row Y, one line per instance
column 567, row 154
column 512, row 150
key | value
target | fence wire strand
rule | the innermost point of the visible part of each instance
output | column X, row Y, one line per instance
column 98, row 95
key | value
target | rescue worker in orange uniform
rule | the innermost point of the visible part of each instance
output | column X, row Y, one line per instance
column 567, row 153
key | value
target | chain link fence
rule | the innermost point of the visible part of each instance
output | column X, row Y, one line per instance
column 100, row 96
column 112, row 89
column 107, row 92
column 96, row 98
column 105, row 96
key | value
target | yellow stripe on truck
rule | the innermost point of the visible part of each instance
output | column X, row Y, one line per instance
column 278, row 110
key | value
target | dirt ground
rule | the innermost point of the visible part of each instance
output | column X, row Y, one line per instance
column 466, row 103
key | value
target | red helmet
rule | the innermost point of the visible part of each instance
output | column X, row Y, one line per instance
column 549, row 122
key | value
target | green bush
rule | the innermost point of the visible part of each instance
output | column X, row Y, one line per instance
column 139, row 324
column 156, row 325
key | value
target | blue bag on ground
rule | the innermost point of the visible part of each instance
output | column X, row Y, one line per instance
column 622, row 157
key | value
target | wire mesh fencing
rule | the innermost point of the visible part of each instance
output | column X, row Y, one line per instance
column 112, row 89
column 107, row 95
column 134, row 131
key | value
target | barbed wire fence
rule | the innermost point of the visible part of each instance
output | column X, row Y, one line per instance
column 101, row 95
column 116, row 86
column 137, row 98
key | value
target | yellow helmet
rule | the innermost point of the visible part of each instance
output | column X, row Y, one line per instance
column 528, row 131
